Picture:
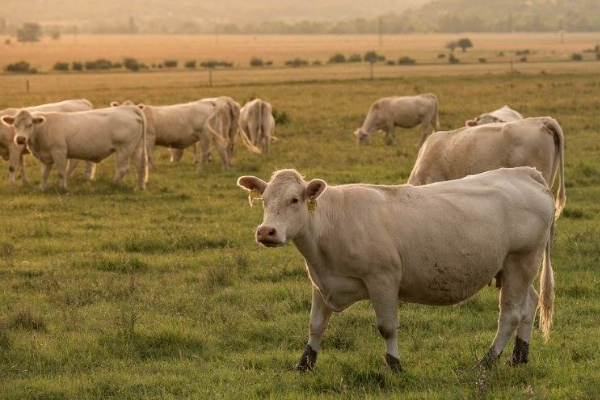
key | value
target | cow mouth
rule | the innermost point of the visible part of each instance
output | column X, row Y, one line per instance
column 20, row 140
column 269, row 243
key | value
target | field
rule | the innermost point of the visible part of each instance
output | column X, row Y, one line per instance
column 110, row 293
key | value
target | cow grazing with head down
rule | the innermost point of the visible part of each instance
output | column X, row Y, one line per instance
column 532, row 142
column 504, row 114
column 438, row 244
column 257, row 125
column 179, row 126
column 53, row 138
column 405, row 112
column 13, row 152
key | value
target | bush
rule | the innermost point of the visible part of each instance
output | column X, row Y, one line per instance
column 20, row 67
column 117, row 65
column 523, row 59
column 576, row 57
column 482, row 60
column 390, row 62
column 296, row 62
column 216, row 63
column 453, row 60
column 256, row 62
column 269, row 63
column 61, row 66
column 337, row 59
column 131, row 64
column 281, row 117
column 77, row 66
column 171, row 63
column 192, row 64
column 355, row 58
column 522, row 52
column 501, row 54
column 99, row 64
column 317, row 62
column 406, row 60
column 442, row 55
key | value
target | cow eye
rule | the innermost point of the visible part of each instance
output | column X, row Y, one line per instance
column 294, row 200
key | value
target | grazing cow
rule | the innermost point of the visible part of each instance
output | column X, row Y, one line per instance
column 438, row 244
column 504, row 114
column 13, row 152
column 229, row 113
column 405, row 112
column 532, row 142
column 53, row 138
column 182, row 125
column 257, row 125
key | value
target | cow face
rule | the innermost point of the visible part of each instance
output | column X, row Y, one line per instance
column 362, row 137
column 23, row 125
column 287, row 202
column 483, row 119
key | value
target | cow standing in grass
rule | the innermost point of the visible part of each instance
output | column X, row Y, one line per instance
column 13, row 152
column 503, row 114
column 257, row 125
column 406, row 112
column 533, row 142
column 53, row 138
column 438, row 244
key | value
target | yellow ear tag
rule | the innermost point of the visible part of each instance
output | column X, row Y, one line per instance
column 254, row 197
column 312, row 204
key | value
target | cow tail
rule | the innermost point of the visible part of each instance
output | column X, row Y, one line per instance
column 144, row 144
column 246, row 140
column 218, row 138
column 559, row 163
column 546, row 300
column 437, row 113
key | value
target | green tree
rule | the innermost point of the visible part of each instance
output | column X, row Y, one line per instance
column 464, row 44
column 29, row 32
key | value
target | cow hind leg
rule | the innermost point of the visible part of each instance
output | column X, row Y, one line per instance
column 176, row 155
column 385, row 302
column 520, row 353
column 122, row 164
column 90, row 171
column 46, row 168
column 515, row 297
column 71, row 166
column 425, row 132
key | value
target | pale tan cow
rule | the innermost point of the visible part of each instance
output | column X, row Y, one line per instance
column 257, row 125
column 53, row 138
column 532, row 142
column 438, row 244
column 405, row 112
column 13, row 152
column 179, row 126
column 503, row 114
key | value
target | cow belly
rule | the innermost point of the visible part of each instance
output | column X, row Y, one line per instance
column 180, row 142
column 341, row 292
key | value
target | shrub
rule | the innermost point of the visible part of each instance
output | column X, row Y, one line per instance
column 390, row 62
column 77, row 66
column 501, row 54
column 216, row 63
column 482, row 60
column 192, row 64
column 355, row 58
column 464, row 44
column 522, row 52
column 117, row 65
column 337, row 59
column 131, row 64
column 296, row 62
column 576, row 57
column 99, row 64
column 20, row 67
column 61, row 66
column 281, row 117
column 442, row 55
column 406, row 60
column 453, row 60
column 171, row 63
column 256, row 62
column 269, row 63
column 317, row 62
column 523, row 59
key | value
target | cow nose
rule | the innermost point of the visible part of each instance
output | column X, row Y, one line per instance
column 20, row 140
column 266, row 234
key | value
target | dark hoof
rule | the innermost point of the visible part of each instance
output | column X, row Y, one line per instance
column 520, row 353
column 488, row 360
column 393, row 363
column 308, row 359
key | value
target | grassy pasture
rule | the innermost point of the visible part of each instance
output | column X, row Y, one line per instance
column 109, row 293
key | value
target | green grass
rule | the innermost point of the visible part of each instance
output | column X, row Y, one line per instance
column 110, row 293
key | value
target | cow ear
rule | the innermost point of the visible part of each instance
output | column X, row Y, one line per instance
column 141, row 106
column 471, row 122
column 114, row 104
column 8, row 121
column 251, row 183
column 315, row 188
column 38, row 120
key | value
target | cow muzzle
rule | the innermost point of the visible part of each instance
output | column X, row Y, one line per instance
column 267, row 236
column 20, row 140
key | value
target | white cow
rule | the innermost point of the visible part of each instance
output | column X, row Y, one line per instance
column 532, row 142
column 182, row 125
column 257, row 125
column 438, row 244
column 13, row 152
column 53, row 138
column 504, row 114
column 229, row 113
column 406, row 112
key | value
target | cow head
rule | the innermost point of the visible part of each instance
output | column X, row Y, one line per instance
column 287, row 200
column 23, row 125
column 362, row 137
column 483, row 119
column 127, row 103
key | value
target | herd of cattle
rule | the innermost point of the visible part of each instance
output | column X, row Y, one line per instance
column 478, row 205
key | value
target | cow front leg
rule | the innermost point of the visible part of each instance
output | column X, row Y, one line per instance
column 385, row 302
column 319, row 317
column 60, row 159
column 520, row 353
column 90, row 171
column 205, row 149
column 71, row 166
column 195, row 153
column 46, row 168
column 22, row 169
